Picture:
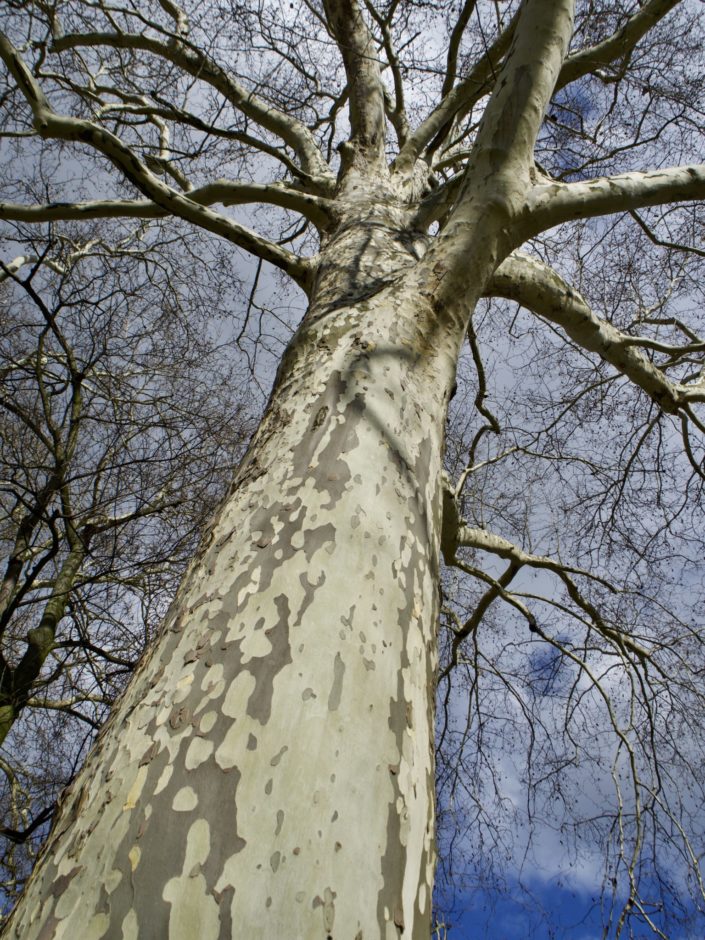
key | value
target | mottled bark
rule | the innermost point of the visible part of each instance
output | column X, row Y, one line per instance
column 269, row 772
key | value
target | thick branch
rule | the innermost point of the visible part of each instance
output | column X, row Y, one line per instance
column 396, row 110
column 366, row 91
column 513, row 117
column 552, row 203
column 489, row 217
column 461, row 98
column 540, row 289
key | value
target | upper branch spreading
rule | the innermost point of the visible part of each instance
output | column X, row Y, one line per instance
column 366, row 93
column 196, row 63
column 49, row 124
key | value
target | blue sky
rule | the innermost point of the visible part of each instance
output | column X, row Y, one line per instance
column 551, row 912
column 568, row 915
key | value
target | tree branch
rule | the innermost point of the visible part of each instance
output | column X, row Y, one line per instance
column 468, row 537
column 497, row 588
column 366, row 91
column 314, row 208
column 620, row 43
column 396, row 111
column 542, row 290
column 553, row 203
column 454, row 46
column 19, row 836
column 505, row 141
column 461, row 98
column 51, row 125
column 170, row 112
column 489, row 216
column 200, row 66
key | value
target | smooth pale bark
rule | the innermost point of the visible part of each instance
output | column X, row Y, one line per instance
column 269, row 772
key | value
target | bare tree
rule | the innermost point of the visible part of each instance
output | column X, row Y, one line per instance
column 118, row 427
column 409, row 167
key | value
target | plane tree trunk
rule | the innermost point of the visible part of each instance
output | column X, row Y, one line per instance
column 269, row 771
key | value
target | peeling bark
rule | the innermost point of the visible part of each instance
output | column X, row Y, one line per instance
column 285, row 715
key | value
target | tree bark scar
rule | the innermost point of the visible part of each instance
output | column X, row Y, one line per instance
column 320, row 416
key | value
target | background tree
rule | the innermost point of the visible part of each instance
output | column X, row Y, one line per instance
column 118, row 427
column 416, row 163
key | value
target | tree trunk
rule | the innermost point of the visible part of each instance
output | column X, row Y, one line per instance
column 269, row 771
column 17, row 684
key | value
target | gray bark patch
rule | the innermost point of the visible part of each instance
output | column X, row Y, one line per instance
column 393, row 868
column 225, row 900
column 259, row 705
column 278, row 756
column 337, row 687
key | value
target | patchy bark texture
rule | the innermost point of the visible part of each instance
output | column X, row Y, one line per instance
column 302, row 642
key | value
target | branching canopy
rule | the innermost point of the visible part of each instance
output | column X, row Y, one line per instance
column 572, row 635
